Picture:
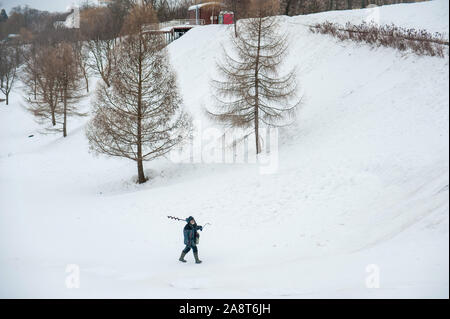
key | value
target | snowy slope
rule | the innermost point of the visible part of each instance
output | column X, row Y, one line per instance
column 362, row 180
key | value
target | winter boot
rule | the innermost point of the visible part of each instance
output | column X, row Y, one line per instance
column 197, row 261
column 182, row 257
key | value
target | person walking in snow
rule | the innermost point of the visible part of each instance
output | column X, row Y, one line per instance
column 190, row 239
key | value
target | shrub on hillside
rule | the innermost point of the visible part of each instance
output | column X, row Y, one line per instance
column 420, row 42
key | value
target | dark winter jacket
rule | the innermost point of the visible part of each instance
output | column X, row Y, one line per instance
column 190, row 232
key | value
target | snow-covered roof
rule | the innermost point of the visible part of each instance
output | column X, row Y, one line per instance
column 198, row 6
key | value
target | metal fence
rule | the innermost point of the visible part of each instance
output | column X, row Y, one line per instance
column 174, row 23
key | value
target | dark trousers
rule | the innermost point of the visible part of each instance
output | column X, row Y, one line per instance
column 188, row 247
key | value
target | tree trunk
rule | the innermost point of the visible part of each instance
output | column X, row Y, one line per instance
column 235, row 17
column 257, row 132
column 86, row 79
column 35, row 87
column 141, row 176
column 34, row 74
column 288, row 7
column 53, row 112
column 53, row 118
column 258, row 150
column 65, row 113
column 7, row 91
column 106, row 80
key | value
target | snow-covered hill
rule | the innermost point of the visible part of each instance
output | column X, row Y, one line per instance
column 361, row 187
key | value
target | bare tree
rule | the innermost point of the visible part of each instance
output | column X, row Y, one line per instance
column 240, row 10
column 29, row 74
column 139, row 117
column 119, row 9
column 55, row 79
column 69, row 82
column 103, row 53
column 2, row 62
column 9, row 62
column 251, row 90
column 234, row 7
column 82, row 58
column 40, row 79
column 100, row 40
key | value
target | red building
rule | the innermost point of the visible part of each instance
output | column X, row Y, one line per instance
column 228, row 17
column 206, row 13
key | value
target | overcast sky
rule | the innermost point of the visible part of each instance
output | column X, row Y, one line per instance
column 48, row 5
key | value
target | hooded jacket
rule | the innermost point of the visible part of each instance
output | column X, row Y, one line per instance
column 190, row 232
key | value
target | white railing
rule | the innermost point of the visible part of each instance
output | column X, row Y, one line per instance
column 174, row 23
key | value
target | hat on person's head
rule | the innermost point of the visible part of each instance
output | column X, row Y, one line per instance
column 189, row 219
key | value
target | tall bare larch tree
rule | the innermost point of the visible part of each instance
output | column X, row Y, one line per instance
column 139, row 117
column 250, row 91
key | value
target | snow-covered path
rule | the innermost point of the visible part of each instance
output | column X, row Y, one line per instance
column 361, row 187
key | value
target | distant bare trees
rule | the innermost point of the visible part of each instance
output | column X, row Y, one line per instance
column 102, row 52
column 240, row 10
column 69, row 80
column 118, row 10
column 294, row 7
column 41, row 82
column 52, row 77
column 139, row 117
column 24, row 17
column 165, row 10
column 169, row 10
column 100, row 40
column 82, row 56
column 251, row 91
column 10, row 60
